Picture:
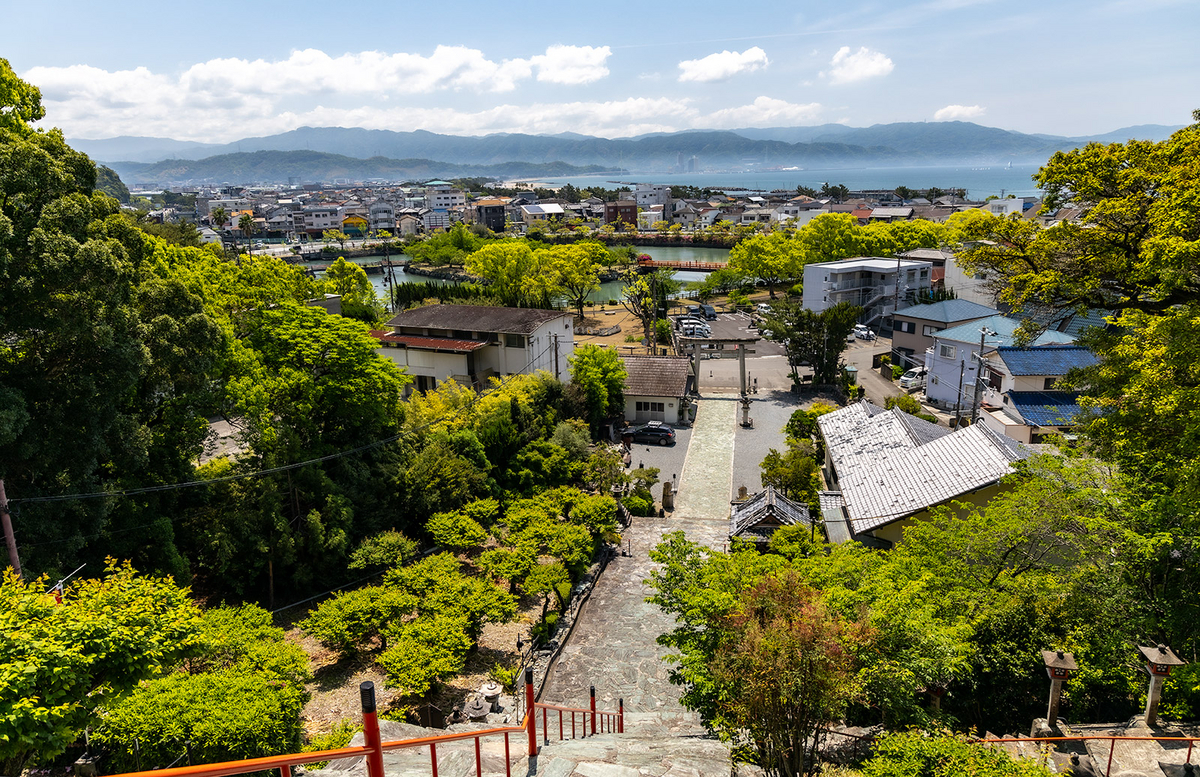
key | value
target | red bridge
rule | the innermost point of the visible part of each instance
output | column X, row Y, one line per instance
column 653, row 264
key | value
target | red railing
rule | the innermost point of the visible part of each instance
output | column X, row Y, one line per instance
column 373, row 748
column 1112, row 743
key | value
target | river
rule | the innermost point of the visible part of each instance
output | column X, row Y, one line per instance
column 607, row 291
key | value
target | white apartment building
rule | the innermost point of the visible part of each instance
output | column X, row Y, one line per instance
column 441, row 195
column 867, row 281
column 317, row 219
column 647, row 194
column 382, row 215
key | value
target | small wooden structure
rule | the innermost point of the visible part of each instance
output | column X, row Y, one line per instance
column 757, row 518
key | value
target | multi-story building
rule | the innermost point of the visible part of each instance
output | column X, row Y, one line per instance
column 472, row 343
column 624, row 211
column 382, row 216
column 647, row 194
column 876, row 284
column 490, row 213
column 441, row 195
column 317, row 219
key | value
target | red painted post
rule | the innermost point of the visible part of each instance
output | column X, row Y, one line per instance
column 621, row 716
column 573, row 727
column 530, row 713
column 560, row 726
column 545, row 726
column 507, row 760
column 1188, row 760
column 478, row 759
column 433, row 757
column 593, row 691
column 366, row 692
column 1112, row 745
column 285, row 771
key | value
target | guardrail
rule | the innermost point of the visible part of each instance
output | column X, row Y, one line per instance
column 593, row 721
column 1112, row 743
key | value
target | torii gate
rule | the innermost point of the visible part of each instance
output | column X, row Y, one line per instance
column 717, row 350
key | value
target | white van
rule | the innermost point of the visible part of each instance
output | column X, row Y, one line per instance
column 913, row 379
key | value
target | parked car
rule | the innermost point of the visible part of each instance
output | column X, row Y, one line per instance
column 863, row 332
column 709, row 312
column 654, row 432
column 696, row 331
column 913, row 379
column 694, row 310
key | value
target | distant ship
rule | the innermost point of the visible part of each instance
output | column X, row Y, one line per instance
column 1009, row 166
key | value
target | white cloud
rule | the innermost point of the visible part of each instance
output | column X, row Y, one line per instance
column 846, row 68
column 959, row 112
column 722, row 65
column 572, row 64
column 764, row 112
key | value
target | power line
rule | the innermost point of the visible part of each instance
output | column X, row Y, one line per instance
column 260, row 473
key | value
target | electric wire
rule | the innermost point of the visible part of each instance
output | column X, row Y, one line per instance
column 259, row 473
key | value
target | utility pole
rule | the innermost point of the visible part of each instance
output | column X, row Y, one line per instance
column 962, row 369
column 984, row 332
column 10, row 539
column 896, row 296
column 556, row 373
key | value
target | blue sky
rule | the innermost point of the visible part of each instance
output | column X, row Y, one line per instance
column 218, row 72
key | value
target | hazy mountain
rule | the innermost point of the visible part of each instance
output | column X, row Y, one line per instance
column 824, row 146
column 275, row 166
column 142, row 149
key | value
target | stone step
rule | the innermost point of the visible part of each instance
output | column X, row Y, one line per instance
column 623, row 755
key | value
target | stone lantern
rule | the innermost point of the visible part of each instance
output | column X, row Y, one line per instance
column 1159, row 661
column 1059, row 666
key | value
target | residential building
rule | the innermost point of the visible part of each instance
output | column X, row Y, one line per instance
column 541, row 214
column 317, row 219
column 954, row 357
column 1005, row 208
column 890, row 214
column 355, row 225
column 758, row 518
column 915, row 326
column 1021, row 400
column 887, row 469
column 876, row 284
column 441, row 195
column 435, row 220
column 647, row 194
column 472, row 343
column 382, row 216
column 490, row 213
column 624, row 211
column 656, row 388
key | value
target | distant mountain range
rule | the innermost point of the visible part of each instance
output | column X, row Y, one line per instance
column 325, row 153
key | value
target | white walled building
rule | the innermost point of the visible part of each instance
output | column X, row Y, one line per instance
column 647, row 194
column 867, row 281
column 473, row 343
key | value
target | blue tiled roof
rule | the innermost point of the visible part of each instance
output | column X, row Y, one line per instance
column 1045, row 408
column 1050, row 360
column 948, row 311
column 1003, row 326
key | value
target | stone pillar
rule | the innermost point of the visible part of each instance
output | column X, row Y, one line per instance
column 1156, row 683
column 696, row 362
column 1055, row 695
column 668, row 496
column 742, row 367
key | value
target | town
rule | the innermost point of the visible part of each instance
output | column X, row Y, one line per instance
column 466, row 472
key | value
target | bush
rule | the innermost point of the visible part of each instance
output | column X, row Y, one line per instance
column 503, row 676
column 572, row 436
column 456, row 531
column 544, row 629
column 338, row 737
column 916, row 754
column 387, row 549
column 637, row 505
column 897, row 372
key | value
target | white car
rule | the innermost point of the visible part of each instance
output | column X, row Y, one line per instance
column 862, row 332
column 763, row 307
column 913, row 379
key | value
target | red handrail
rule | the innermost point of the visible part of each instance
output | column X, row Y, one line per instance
column 1112, row 740
column 374, row 749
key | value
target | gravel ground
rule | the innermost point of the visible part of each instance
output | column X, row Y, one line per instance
column 770, row 411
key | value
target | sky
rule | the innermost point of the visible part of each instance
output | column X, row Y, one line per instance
column 217, row 73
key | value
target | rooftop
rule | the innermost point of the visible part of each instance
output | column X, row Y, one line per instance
column 1005, row 329
column 1045, row 360
column 476, row 318
column 891, row 465
column 656, row 376
column 761, row 514
column 445, row 344
column 1045, row 408
column 872, row 263
column 948, row 311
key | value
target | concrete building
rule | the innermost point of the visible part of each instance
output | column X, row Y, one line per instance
column 954, row 357
column 867, row 281
column 916, row 326
column 472, row 343
column 647, row 194
column 624, row 211
column 441, row 195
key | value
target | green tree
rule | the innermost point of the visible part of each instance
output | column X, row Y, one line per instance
column 20, row 102
column 456, row 531
column 335, row 236
column 219, row 216
column 762, row 257
column 246, row 226
column 600, row 375
column 814, row 339
column 58, row 662
column 386, row 549
column 577, row 271
column 353, row 621
column 793, row 473
column 358, row 295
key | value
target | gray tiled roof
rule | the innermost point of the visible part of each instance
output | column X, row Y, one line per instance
column 889, row 467
column 476, row 318
column 766, row 504
column 656, row 376
column 947, row 311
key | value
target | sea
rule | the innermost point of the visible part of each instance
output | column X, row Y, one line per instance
column 980, row 181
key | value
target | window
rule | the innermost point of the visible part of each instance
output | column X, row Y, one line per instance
column 514, row 341
column 946, row 352
column 910, row 327
column 928, row 330
column 649, row 407
column 1049, row 384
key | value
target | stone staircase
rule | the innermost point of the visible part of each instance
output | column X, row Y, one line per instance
column 1129, row 757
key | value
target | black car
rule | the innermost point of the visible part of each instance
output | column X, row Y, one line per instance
column 654, row 432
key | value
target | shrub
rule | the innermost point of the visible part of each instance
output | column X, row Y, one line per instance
column 388, row 549
column 916, row 754
column 503, row 676
column 637, row 505
column 338, row 737
column 456, row 531
column 897, row 372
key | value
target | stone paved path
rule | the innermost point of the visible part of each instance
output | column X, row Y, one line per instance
column 613, row 645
